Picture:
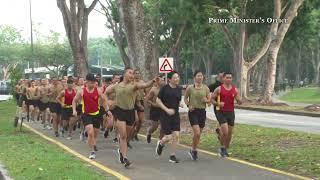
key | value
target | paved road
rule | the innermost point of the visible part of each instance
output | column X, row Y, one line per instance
column 284, row 121
column 147, row 167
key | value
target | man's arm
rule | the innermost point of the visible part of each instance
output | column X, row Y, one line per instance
column 215, row 95
column 149, row 98
column 75, row 100
column 110, row 89
column 207, row 98
column 104, row 99
column 186, row 96
column 59, row 98
column 238, row 98
column 144, row 85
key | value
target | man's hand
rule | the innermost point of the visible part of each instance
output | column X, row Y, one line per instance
column 109, row 114
column 221, row 104
column 170, row 112
column 191, row 108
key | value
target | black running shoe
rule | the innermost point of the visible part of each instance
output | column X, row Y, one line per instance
column 149, row 138
column 129, row 145
column 115, row 140
column 127, row 163
column 95, row 148
column 106, row 134
column 193, row 155
column 120, row 156
column 196, row 154
column 159, row 148
column 222, row 152
column 173, row 159
column 136, row 138
column 56, row 134
column 16, row 120
column 226, row 153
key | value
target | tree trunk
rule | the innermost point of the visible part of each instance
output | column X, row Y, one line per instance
column 75, row 19
column 138, row 36
column 316, row 65
column 274, row 48
column 298, row 65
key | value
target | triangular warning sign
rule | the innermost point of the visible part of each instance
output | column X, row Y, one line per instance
column 166, row 66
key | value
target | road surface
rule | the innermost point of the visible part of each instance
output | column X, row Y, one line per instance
column 146, row 166
column 275, row 120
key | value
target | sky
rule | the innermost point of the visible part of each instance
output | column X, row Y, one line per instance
column 46, row 16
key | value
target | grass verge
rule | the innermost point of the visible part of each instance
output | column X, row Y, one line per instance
column 28, row 156
column 303, row 95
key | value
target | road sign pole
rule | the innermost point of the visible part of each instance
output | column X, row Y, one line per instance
column 166, row 78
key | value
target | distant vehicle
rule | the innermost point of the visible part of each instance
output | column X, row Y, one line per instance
column 4, row 87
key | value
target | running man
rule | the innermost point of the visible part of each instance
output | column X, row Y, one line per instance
column 168, row 100
column 155, row 111
column 197, row 96
column 212, row 87
column 91, row 96
column 65, row 98
column 33, row 97
column 44, row 104
column 225, row 115
column 111, row 103
column 55, row 107
column 125, row 96
column 139, row 105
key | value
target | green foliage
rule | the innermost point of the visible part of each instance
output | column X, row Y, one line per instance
column 103, row 49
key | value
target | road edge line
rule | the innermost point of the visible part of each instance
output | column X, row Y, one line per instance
column 78, row 155
column 245, row 162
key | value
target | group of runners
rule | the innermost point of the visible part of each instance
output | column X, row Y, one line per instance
column 117, row 105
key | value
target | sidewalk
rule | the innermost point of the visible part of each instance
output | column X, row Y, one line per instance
column 147, row 166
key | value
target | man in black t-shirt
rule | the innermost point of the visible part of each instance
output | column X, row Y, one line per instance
column 169, row 101
column 212, row 87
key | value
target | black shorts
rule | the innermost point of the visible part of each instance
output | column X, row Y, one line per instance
column 198, row 117
column 169, row 123
column 91, row 119
column 66, row 113
column 17, row 97
column 226, row 117
column 155, row 113
column 43, row 106
column 79, row 109
column 32, row 102
column 20, row 101
column 102, row 111
column 55, row 107
column 127, row 116
column 137, row 108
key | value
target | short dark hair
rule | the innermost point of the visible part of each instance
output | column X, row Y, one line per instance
column 126, row 69
column 227, row 73
column 121, row 78
column 196, row 72
column 70, row 81
column 90, row 77
column 108, row 79
column 170, row 74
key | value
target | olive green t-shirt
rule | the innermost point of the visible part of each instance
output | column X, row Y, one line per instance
column 196, row 96
column 125, row 96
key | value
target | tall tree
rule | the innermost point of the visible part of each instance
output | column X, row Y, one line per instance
column 279, row 33
column 75, row 17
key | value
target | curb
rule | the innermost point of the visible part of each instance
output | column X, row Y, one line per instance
column 279, row 111
column 4, row 173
